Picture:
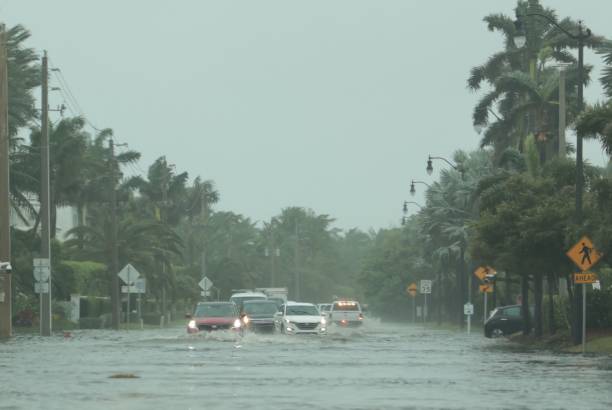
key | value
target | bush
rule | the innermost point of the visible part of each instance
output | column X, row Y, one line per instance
column 599, row 309
column 90, row 323
column 151, row 318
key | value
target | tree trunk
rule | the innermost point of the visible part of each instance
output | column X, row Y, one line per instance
column 525, row 304
column 440, row 299
column 538, row 295
column 552, row 328
column 460, row 291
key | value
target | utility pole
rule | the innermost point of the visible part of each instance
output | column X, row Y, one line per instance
column 562, row 113
column 296, row 254
column 204, row 217
column 5, row 222
column 46, row 323
column 115, row 295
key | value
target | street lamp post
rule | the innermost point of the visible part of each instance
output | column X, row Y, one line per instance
column 412, row 190
column 456, row 167
column 582, row 35
column 405, row 210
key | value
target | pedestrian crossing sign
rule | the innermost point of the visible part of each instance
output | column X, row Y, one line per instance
column 584, row 254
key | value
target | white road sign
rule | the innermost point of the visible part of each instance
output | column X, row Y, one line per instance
column 128, row 274
column 42, row 262
column 425, row 287
column 41, row 287
column 206, row 284
column 205, row 293
column 42, row 273
column 468, row 309
column 130, row 289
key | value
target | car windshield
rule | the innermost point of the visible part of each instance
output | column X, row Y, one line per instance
column 260, row 308
column 325, row 308
column 239, row 300
column 346, row 306
column 215, row 310
column 304, row 310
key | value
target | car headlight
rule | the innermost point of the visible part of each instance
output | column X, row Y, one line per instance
column 237, row 323
column 245, row 320
column 323, row 321
column 192, row 324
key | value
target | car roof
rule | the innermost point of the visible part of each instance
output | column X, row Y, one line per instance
column 214, row 303
column 259, row 302
column 299, row 304
column 245, row 294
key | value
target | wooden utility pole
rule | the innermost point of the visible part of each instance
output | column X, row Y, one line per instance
column 115, row 295
column 5, row 223
column 45, row 240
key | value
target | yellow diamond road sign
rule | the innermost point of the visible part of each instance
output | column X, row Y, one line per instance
column 584, row 254
column 482, row 272
column 412, row 289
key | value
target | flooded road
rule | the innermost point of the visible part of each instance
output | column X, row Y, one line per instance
column 377, row 367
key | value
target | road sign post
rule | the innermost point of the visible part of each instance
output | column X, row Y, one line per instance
column 425, row 289
column 468, row 310
column 129, row 275
column 584, row 255
column 206, row 285
column 411, row 290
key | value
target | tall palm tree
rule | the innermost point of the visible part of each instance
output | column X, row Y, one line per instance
column 545, row 46
column 597, row 120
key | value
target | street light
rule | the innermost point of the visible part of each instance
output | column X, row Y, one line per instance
column 412, row 190
column 411, row 202
column 456, row 167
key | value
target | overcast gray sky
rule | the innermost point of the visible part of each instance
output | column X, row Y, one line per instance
column 330, row 105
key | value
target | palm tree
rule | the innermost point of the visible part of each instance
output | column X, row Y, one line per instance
column 513, row 66
column 141, row 243
column 597, row 120
column 67, row 147
column 23, row 77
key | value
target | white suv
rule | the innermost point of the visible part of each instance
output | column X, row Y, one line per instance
column 300, row 318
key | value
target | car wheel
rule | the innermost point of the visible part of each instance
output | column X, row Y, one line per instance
column 497, row 332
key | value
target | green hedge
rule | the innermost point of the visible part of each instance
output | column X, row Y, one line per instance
column 599, row 309
column 90, row 323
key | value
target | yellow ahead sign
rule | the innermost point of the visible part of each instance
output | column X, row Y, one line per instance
column 482, row 272
column 585, row 277
column 584, row 254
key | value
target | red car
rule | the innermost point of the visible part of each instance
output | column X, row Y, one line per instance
column 209, row 316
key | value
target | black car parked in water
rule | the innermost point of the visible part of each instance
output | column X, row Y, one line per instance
column 505, row 320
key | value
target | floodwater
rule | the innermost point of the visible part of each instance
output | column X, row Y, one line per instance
column 381, row 366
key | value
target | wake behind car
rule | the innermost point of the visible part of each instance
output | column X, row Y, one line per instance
column 259, row 315
column 209, row 316
column 300, row 318
column 345, row 313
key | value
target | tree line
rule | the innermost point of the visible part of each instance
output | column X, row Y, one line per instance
column 510, row 204
column 168, row 224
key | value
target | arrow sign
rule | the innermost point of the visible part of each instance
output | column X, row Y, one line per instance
column 128, row 274
column 206, row 284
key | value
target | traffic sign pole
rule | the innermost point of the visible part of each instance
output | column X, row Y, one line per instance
column 584, row 285
column 484, row 319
